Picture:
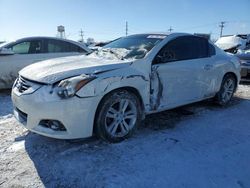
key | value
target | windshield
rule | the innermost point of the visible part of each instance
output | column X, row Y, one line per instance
column 135, row 46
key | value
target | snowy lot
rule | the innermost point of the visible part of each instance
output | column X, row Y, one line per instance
column 201, row 145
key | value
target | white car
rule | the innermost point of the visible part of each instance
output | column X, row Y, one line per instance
column 109, row 91
column 234, row 43
column 239, row 45
column 16, row 55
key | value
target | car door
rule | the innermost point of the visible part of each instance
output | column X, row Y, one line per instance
column 179, row 72
column 26, row 52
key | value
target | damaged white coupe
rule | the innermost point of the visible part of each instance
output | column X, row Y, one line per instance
column 109, row 91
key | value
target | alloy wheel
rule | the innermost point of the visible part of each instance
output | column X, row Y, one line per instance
column 228, row 90
column 121, row 118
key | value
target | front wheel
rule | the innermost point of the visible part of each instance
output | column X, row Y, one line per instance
column 118, row 116
column 228, row 87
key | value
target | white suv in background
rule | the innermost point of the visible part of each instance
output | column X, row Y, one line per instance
column 16, row 55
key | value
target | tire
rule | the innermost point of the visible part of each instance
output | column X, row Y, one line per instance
column 227, row 89
column 118, row 116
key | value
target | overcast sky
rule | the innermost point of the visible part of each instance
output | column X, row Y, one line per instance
column 105, row 19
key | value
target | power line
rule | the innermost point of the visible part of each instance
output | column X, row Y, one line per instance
column 221, row 27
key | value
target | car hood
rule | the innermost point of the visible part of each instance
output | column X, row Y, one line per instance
column 54, row 70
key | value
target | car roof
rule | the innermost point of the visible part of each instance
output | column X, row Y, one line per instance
column 81, row 45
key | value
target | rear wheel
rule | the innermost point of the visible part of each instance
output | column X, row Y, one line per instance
column 227, row 90
column 118, row 116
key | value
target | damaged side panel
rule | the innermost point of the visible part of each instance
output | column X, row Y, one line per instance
column 156, row 89
column 106, row 83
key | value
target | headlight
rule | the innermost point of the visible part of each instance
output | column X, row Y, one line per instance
column 244, row 62
column 15, row 82
column 67, row 88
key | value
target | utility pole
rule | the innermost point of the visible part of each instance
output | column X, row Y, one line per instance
column 170, row 29
column 81, row 35
column 221, row 27
column 126, row 28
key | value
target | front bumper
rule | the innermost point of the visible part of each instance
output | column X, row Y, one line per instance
column 75, row 114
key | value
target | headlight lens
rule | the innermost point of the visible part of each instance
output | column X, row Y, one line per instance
column 67, row 88
column 244, row 62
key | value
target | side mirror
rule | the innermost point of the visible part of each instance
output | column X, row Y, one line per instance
column 6, row 51
column 167, row 56
column 158, row 59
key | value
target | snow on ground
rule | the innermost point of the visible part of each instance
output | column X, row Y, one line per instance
column 200, row 145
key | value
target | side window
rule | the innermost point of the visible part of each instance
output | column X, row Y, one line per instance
column 57, row 46
column 72, row 48
column 27, row 47
column 211, row 49
column 200, row 47
column 183, row 48
column 81, row 50
column 247, row 46
column 21, row 48
column 35, row 47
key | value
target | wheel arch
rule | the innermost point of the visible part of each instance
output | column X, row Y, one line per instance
column 125, row 88
column 234, row 75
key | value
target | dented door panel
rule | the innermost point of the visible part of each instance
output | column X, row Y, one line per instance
column 177, row 83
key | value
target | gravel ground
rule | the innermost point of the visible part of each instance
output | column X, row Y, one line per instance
column 200, row 145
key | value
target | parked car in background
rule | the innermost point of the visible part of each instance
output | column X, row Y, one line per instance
column 233, row 43
column 16, row 55
column 109, row 91
column 239, row 45
column 245, row 65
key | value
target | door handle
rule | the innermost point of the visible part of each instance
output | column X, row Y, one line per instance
column 208, row 67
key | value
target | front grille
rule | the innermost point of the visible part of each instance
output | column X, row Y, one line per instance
column 22, row 84
column 245, row 73
column 26, row 86
column 246, row 76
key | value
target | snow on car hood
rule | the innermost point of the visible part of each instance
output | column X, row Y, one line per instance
column 53, row 70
